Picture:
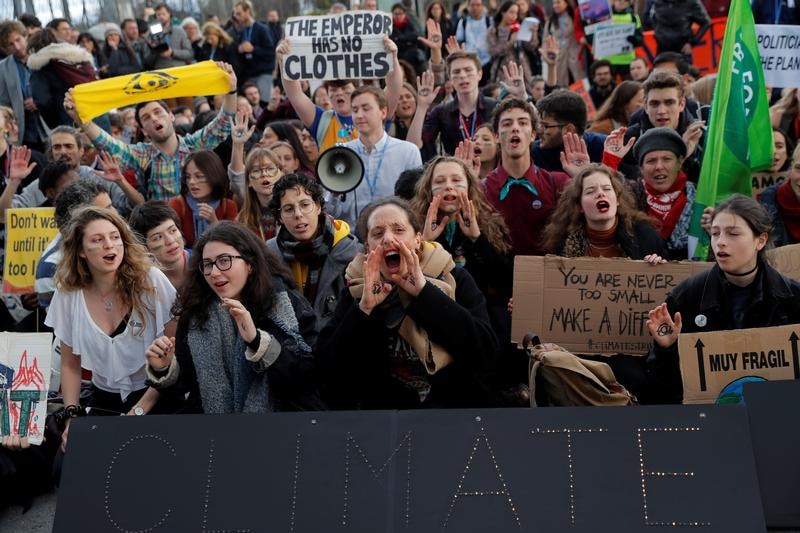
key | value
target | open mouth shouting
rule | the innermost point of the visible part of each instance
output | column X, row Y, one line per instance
column 477, row 150
column 110, row 258
column 392, row 259
column 603, row 206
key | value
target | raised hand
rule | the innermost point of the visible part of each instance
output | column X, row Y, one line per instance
column 111, row 170
column 434, row 227
column 662, row 327
column 466, row 217
column 575, row 155
column 434, row 31
column 411, row 278
column 160, row 352
column 244, row 321
column 19, row 169
column 514, row 80
column 465, row 151
column 615, row 144
column 452, row 45
column 389, row 45
column 375, row 290
column 70, row 108
column 549, row 51
column 426, row 91
column 692, row 135
column 228, row 69
column 240, row 133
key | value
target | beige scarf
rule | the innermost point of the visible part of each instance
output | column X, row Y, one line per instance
column 436, row 264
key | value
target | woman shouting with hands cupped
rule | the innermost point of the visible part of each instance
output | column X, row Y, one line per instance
column 410, row 330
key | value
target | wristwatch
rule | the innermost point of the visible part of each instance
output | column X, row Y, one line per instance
column 138, row 410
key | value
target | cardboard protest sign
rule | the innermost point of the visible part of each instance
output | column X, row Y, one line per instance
column 715, row 365
column 592, row 305
column 612, row 39
column 24, row 381
column 779, row 47
column 786, row 260
column 762, row 180
column 29, row 231
column 347, row 46
column 593, row 13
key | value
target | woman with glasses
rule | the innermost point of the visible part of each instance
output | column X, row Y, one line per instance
column 244, row 337
column 110, row 304
column 316, row 247
column 203, row 201
column 261, row 170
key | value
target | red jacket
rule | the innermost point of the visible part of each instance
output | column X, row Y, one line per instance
column 226, row 210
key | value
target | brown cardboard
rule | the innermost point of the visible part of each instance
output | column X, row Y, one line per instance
column 786, row 260
column 601, row 308
column 712, row 361
column 762, row 180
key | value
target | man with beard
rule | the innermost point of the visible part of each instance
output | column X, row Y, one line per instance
column 602, row 82
column 15, row 84
column 158, row 163
column 524, row 193
column 65, row 146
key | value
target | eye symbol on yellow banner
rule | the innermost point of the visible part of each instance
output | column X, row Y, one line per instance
column 148, row 82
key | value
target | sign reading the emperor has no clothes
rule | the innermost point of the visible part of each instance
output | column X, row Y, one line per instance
column 346, row 46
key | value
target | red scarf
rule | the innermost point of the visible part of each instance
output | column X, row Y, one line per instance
column 667, row 206
column 400, row 23
column 790, row 209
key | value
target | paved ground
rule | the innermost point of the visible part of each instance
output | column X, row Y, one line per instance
column 38, row 519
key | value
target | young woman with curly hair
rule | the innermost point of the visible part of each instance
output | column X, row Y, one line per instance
column 597, row 216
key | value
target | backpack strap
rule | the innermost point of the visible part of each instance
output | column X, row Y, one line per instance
column 322, row 127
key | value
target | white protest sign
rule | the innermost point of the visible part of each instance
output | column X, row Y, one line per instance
column 779, row 47
column 24, row 381
column 526, row 29
column 346, row 46
column 612, row 39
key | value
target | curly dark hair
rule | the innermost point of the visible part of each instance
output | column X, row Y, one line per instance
column 257, row 296
column 295, row 181
column 568, row 216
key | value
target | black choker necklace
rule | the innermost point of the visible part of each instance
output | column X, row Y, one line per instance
column 743, row 274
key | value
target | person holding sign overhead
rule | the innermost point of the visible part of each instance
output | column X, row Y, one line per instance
column 384, row 157
column 741, row 291
column 336, row 125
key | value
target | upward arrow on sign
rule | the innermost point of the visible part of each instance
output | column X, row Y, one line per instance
column 700, row 365
column 795, row 358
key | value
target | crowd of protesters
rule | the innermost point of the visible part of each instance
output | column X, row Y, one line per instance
column 201, row 267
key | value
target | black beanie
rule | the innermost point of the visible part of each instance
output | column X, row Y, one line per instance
column 659, row 139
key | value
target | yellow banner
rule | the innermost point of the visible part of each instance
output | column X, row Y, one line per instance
column 28, row 232
column 200, row 79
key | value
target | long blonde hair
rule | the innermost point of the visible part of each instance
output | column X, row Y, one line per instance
column 490, row 221
column 251, row 212
column 131, row 280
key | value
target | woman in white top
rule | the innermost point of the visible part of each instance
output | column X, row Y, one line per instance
column 109, row 305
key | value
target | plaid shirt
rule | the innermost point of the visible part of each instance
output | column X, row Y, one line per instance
column 159, row 174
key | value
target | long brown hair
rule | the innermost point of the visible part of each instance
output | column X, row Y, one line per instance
column 131, row 280
column 568, row 217
column 614, row 107
column 490, row 221
column 250, row 214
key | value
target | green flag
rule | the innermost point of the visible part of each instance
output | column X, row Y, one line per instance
column 739, row 137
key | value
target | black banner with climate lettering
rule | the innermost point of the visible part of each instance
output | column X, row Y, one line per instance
column 644, row 469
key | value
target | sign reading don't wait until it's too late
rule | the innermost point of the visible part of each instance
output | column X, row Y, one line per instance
column 345, row 47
